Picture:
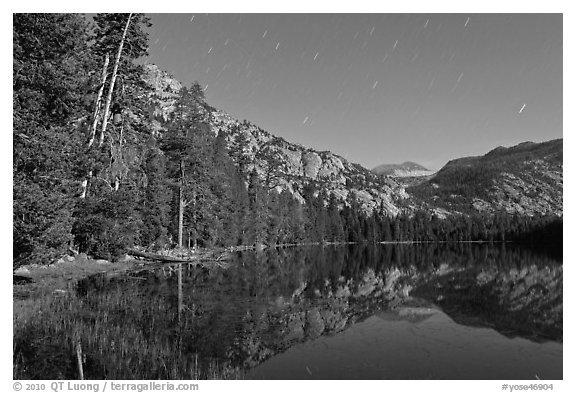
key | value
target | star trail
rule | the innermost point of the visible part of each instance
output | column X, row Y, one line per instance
column 381, row 88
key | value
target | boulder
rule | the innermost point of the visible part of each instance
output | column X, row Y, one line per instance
column 101, row 261
column 342, row 292
column 126, row 258
column 22, row 271
column 365, row 289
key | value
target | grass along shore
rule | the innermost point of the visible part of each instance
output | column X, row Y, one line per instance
column 56, row 330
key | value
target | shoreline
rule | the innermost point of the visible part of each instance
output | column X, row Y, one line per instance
column 60, row 276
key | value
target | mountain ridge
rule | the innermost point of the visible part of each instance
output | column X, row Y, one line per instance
column 505, row 178
column 526, row 178
column 290, row 166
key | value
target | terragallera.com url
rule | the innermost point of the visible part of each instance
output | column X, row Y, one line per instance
column 530, row 386
column 110, row 386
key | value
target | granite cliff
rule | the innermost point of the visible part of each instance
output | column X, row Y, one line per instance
column 281, row 164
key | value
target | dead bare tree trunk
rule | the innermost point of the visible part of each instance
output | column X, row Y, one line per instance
column 180, row 217
column 181, row 206
column 85, row 185
column 79, row 360
column 117, row 180
column 157, row 257
column 112, row 82
column 98, row 105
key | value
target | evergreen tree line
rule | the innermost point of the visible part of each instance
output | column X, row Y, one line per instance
column 91, row 172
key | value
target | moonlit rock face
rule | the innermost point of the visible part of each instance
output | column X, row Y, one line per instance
column 293, row 159
column 294, row 165
column 331, row 166
column 312, row 163
column 525, row 179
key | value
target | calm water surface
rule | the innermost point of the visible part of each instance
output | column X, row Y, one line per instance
column 463, row 311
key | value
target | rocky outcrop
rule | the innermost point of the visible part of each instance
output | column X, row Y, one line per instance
column 291, row 167
column 526, row 179
column 286, row 166
column 162, row 100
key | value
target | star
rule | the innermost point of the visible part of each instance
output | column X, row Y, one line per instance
column 521, row 109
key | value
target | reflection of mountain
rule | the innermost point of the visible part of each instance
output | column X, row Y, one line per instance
column 397, row 348
column 525, row 300
column 409, row 314
column 266, row 303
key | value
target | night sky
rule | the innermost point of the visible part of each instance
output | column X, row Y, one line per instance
column 376, row 88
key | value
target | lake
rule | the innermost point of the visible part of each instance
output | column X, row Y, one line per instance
column 390, row 311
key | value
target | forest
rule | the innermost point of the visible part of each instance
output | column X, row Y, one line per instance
column 92, row 173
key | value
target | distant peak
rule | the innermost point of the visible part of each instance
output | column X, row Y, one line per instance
column 406, row 169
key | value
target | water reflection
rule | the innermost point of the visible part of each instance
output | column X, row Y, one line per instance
column 278, row 307
column 422, row 346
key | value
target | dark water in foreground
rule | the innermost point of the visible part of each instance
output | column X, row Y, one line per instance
column 461, row 311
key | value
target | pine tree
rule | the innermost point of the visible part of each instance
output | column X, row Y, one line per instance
column 258, row 210
column 187, row 148
column 155, row 201
column 52, row 70
column 335, row 227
